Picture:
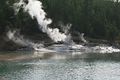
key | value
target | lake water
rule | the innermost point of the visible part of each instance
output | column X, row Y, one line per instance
column 59, row 66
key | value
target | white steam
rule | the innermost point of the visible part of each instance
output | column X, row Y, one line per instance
column 18, row 39
column 35, row 10
column 82, row 38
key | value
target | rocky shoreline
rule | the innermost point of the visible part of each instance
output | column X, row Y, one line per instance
column 9, row 45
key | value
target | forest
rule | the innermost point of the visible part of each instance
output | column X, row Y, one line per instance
column 98, row 19
column 59, row 39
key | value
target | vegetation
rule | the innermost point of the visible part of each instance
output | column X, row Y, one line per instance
column 96, row 18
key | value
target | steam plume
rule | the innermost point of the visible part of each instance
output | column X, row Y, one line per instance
column 35, row 10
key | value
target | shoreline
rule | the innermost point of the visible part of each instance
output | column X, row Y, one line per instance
column 57, row 56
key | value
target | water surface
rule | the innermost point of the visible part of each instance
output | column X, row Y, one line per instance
column 59, row 66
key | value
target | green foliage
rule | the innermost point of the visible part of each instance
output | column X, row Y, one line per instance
column 95, row 18
column 6, row 15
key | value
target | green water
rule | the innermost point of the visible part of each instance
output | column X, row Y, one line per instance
column 60, row 66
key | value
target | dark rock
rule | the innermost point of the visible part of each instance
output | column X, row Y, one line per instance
column 8, row 45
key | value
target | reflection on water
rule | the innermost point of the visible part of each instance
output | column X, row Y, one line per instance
column 60, row 66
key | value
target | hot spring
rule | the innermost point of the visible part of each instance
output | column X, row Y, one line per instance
column 64, row 59
column 35, row 9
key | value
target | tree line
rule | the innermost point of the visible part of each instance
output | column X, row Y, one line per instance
column 96, row 18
